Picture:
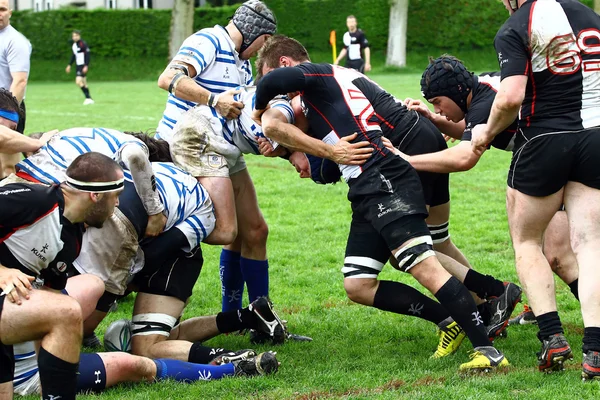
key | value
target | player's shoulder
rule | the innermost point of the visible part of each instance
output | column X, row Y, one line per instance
column 312, row 68
column 35, row 198
column 208, row 36
column 16, row 38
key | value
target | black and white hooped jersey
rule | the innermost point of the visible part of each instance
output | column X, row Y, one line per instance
column 556, row 43
column 354, row 42
column 49, row 164
column 35, row 237
column 484, row 92
column 81, row 53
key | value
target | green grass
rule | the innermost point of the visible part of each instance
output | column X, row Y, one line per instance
column 357, row 352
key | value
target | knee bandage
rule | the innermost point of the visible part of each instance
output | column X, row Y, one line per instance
column 361, row 267
column 152, row 324
column 414, row 252
column 439, row 233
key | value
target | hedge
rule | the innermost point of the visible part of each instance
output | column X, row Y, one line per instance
column 433, row 24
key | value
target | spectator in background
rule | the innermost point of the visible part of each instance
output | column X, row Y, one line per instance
column 355, row 41
column 81, row 57
column 15, row 51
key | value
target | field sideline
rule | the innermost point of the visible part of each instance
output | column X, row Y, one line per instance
column 357, row 352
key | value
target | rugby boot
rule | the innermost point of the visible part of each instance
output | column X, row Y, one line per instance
column 232, row 356
column 263, row 364
column 591, row 366
column 92, row 341
column 526, row 317
column 451, row 336
column 484, row 359
column 500, row 309
column 555, row 351
column 268, row 321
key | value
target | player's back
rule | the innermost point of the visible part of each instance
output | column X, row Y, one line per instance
column 48, row 165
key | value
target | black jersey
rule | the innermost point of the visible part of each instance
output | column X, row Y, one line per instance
column 556, row 43
column 354, row 42
column 484, row 92
column 336, row 103
column 35, row 237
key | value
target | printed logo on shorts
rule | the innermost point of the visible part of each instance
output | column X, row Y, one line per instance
column 382, row 210
column 215, row 161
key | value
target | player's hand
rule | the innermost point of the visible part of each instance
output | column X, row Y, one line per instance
column 84, row 69
column 300, row 162
column 257, row 116
column 418, row 106
column 266, row 148
column 449, row 138
column 15, row 284
column 347, row 153
column 388, row 144
column 480, row 138
column 367, row 67
column 227, row 106
column 156, row 224
column 68, row 69
column 47, row 136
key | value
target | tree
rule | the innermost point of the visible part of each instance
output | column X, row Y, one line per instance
column 182, row 24
column 396, row 51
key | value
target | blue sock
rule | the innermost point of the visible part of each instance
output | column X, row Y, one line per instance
column 256, row 275
column 182, row 371
column 232, row 281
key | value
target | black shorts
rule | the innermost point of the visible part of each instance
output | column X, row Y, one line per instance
column 416, row 135
column 358, row 65
column 7, row 356
column 383, row 197
column 543, row 164
column 22, row 115
column 79, row 71
column 168, row 270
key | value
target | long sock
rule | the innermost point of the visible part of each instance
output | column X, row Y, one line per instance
column 86, row 92
column 57, row 377
column 399, row 298
column 574, row 286
column 256, row 275
column 455, row 298
column 231, row 321
column 232, row 280
column 484, row 312
column 200, row 354
column 549, row 324
column 182, row 371
column 591, row 339
column 483, row 286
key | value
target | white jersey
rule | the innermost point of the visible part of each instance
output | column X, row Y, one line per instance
column 49, row 164
column 244, row 132
column 27, row 378
column 188, row 206
column 218, row 68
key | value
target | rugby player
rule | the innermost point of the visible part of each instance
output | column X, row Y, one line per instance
column 41, row 233
column 550, row 81
column 81, row 58
column 387, row 199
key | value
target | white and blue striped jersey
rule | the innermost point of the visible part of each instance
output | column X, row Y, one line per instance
column 218, row 68
column 49, row 163
column 244, row 132
column 188, row 206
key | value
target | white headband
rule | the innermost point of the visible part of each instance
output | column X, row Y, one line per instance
column 96, row 187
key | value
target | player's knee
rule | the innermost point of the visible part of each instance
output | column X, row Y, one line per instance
column 360, row 290
column 256, row 234
column 137, row 368
column 68, row 316
column 149, row 329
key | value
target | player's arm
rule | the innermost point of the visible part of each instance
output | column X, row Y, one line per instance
column 86, row 56
column 365, row 46
column 71, row 61
column 453, row 129
column 14, row 284
column 342, row 55
column 12, row 142
column 454, row 159
column 136, row 161
column 18, row 59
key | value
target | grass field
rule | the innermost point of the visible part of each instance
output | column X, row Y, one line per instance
column 357, row 352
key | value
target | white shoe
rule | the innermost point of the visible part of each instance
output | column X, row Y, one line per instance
column 88, row 101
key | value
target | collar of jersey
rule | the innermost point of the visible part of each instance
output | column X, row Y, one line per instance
column 226, row 36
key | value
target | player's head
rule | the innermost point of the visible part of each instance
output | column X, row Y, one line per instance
column 158, row 149
column 351, row 23
column 280, row 51
column 447, row 84
column 256, row 23
column 34, row 135
column 94, row 182
column 5, row 14
column 76, row 35
column 9, row 109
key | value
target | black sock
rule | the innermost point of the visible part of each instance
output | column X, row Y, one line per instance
column 483, row 286
column 86, row 92
column 57, row 377
column 574, row 286
column 200, row 354
column 485, row 313
column 455, row 298
column 591, row 339
column 235, row 320
column 399, row 298
column 549, row 324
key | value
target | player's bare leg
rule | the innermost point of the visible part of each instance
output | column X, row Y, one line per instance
column 226, row 228
column 558, row 250
column 440, row 215
column 86, row 289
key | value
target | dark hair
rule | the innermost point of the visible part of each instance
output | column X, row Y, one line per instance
column 277, row 46
column 93, row 167
column 350, row 16
column 158, row 149
column 77, row 31
column 9, row 102
column 35, row 135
